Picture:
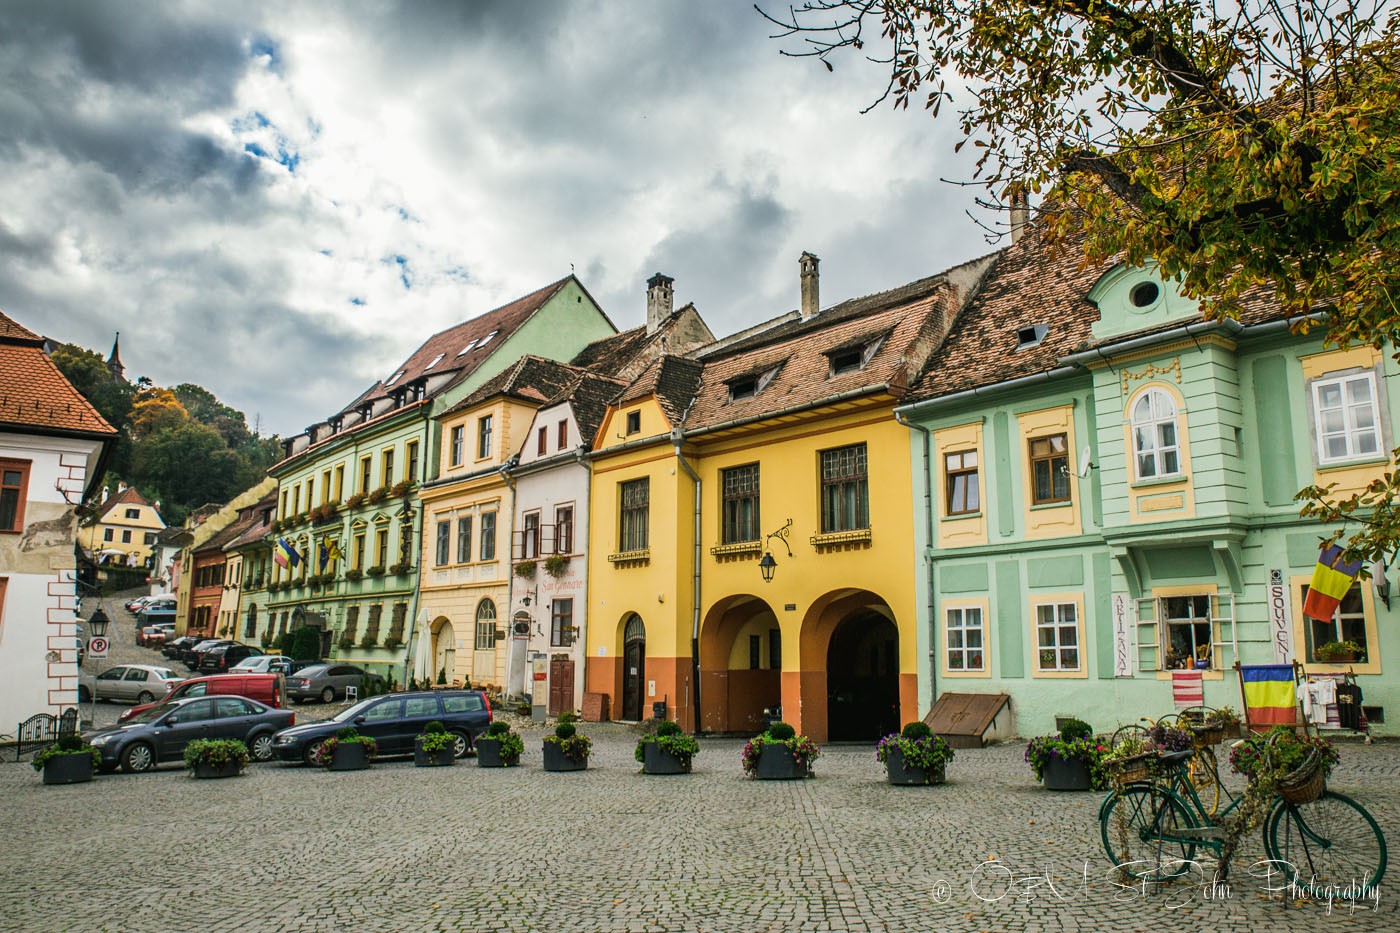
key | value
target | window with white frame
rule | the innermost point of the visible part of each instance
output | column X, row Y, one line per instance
column 1057, row 637
column 1184, row 631
column 964, row 635
column 1346, row 418
column 1348, row 624
column 1155, row 443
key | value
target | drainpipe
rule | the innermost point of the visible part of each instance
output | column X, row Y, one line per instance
column 584, row 461
column 928, row 553
column 504, row 470
column 676, row 438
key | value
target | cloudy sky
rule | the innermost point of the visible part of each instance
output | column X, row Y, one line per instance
column 279, row 201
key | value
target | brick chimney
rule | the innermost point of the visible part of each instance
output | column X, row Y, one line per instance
column 811, row 297
column 1018, row 203
column 660, row 300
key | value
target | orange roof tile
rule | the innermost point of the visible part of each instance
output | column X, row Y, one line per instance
column 34, row 394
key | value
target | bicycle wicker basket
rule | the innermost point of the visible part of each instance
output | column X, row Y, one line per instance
column 1131, row 770
column 1306, row 783
column 1209, row 732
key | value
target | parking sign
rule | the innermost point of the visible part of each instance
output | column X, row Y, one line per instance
column 97, row 648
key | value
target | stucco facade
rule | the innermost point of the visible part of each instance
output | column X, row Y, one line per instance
column 125, row 531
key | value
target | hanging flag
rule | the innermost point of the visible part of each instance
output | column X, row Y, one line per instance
column 284, row 553
column 336, row 553
column 324, row 555
column 1331, row 579
column 278, row 557
column 1270, row 696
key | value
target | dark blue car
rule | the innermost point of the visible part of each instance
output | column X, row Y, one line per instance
column 394, row 721
column 162, row 732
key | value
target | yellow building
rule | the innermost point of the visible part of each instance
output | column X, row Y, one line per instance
column 751, row 528
column 124, row 530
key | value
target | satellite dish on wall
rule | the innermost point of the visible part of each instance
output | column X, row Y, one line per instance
column 1085, row 464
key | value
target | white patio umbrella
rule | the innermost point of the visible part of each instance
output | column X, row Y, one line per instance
column 423, row 657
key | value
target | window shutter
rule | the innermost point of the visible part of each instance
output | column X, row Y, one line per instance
column 1222, row 614
column 1148, row 644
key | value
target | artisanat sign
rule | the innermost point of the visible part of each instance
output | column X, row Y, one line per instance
column 1123, row 631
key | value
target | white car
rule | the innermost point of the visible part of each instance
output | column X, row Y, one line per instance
column 134, row 683
column 262, row 664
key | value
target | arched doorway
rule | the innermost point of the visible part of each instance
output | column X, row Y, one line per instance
column 634, row 668
column 444, row 652
column 484, row 644
column 862, row 678
column 740, row 664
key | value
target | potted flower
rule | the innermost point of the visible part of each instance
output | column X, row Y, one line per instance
column 434, row 746
column 354, row 573
column 70, row 760
column 779, row 754
column 1339, row 652
column 355, row 501
column 566, row 750
column 525, row 569
column 376, row 571
column 216, row 758
column 499, row 747
column 914, row 756
column 668, row 751
column 347, row 750
column 379, row 495
column 556, row 564
column 401, row 490
column 1283, row 762
column 1072, row 759
column 1135, row 757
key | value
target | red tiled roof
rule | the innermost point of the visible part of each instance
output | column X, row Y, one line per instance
column 673, row 380
column 34, row 393
column 530, row 378
column 128, row 496
column 589, row 396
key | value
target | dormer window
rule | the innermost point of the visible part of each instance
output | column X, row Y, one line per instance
column 436, row 360
column 395, row 378
column 467, row 349
column 365, row 411
column 855, row 355
column 1031, row 336
column 750, row 384
column 487, row 339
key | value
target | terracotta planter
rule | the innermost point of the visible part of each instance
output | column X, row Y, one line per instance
column 657, row 761
column 903, row 775
column 1066, row 774
column 556, row 760
column 230, row 768
column 68, row 769
column 778, row 763
column 442, row 757
column 349, row 756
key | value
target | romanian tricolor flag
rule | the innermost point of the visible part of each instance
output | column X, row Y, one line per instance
column 1331, row 579
column 284, row 554
column 1270, row 695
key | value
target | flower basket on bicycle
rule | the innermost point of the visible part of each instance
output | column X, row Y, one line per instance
column 1140, row 767
column 1296, row 766
column 1307, row 782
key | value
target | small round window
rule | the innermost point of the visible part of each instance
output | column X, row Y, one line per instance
column 1144, row 294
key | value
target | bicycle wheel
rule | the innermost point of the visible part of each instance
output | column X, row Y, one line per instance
column 1331, row 841
column 1205, row 778
column 1140, row 828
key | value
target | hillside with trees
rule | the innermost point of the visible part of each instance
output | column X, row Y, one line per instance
column 180, row 446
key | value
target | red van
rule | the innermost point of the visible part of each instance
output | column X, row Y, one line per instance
column 269, row 689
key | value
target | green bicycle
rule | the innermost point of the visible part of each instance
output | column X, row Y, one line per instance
column 1152, row 829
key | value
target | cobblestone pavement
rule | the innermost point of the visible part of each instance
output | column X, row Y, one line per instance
column 290, row 849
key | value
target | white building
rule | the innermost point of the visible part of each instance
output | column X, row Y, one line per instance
column 53, row 447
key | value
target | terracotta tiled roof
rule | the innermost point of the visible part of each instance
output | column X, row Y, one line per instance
column 128, row 496
column 1033, row 282
column 673, row 380
column 589, row 396
column 233, row 530
column 610, row 355
column 256, row 529
column 531, row 378
column 34, row 394
column 902, row 325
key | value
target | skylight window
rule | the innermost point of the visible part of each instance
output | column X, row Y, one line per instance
column 467, row 349
column 436, row 360
column 396, row 377
column 1031, row 336
column 487, row 339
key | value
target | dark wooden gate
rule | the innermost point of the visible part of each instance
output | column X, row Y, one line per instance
column 561, row 685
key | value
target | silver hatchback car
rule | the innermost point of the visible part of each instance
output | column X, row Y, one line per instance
column 132, row 683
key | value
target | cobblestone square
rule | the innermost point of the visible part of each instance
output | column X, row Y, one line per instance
column 401, row 848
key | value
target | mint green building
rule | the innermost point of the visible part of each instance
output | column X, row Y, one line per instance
column 347, row 489
column 1105, row 488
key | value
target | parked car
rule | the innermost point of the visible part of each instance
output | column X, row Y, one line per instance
column 162, row 732
column 325, row 681
column 220, row 658
column 190, row 656
column 263, row 664
column 173, row 649
column 140, row 602
column 267, row 689
column 134, row 683
column 153, row 636
column 393, row 721
column 150, row 616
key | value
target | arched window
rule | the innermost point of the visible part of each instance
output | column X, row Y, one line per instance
column 635, row 630
column 1154, row 435
column 485, row 625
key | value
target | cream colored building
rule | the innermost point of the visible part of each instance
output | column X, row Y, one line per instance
column 124, row 531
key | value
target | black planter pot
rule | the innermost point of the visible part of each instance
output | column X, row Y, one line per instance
column 903, row 775
column 778, row 763
column 1066, row 774
column 349, row 756
column 230, row 768
column 421, row 759
column 658, row 761
column 68, row 769
column 555, row 759
column 488, row 754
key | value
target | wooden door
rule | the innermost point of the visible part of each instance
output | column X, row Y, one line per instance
column 561, row 685
column 633, row 679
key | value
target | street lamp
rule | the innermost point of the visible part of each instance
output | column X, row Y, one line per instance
column 767, row 564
